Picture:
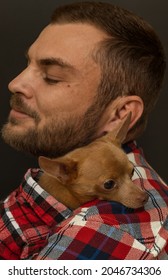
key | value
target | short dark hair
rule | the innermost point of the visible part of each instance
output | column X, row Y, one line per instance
column 132, row 59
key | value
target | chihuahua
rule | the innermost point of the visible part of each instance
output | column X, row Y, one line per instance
column 100, row 170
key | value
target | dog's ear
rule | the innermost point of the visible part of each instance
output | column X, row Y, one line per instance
column 119, row 133
column 63, row 169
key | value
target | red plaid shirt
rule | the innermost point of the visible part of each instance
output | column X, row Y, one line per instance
column 33, row 225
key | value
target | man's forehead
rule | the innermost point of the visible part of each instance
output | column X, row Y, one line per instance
column 64, row 46
column 70, row 37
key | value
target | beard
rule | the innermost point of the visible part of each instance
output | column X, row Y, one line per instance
column 57, row 137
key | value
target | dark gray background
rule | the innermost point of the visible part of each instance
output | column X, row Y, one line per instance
column 20, row 23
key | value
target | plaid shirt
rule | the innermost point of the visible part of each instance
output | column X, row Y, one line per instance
column 33, row 225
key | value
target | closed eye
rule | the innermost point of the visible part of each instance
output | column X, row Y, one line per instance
column 51, row 81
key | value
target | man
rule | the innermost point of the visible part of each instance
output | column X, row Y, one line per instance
column 88, row 68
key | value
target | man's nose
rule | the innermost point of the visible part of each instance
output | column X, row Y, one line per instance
column 22, row 84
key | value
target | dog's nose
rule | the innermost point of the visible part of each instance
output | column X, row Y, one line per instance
column 145, row 198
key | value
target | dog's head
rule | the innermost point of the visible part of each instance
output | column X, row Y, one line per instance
column 99, row 170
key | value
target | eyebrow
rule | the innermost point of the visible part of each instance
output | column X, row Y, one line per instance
column 52, row 61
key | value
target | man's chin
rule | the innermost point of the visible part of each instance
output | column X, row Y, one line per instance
column 17, row 127
column 25, row 140
column 14, row 135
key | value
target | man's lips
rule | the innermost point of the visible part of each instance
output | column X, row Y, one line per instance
column 20, row 110
column 18, row 113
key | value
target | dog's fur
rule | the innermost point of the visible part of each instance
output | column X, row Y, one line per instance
column 99, row 170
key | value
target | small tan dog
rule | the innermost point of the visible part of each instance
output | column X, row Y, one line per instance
column 99, row 170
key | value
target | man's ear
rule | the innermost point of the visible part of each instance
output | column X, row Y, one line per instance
column 118, row 110
column 64, row 169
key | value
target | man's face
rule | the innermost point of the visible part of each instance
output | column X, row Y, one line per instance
column 52, row 104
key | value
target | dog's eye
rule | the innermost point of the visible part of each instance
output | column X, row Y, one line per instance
column 109, row 184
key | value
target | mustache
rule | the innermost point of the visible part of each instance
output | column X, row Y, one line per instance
column 17, row 103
